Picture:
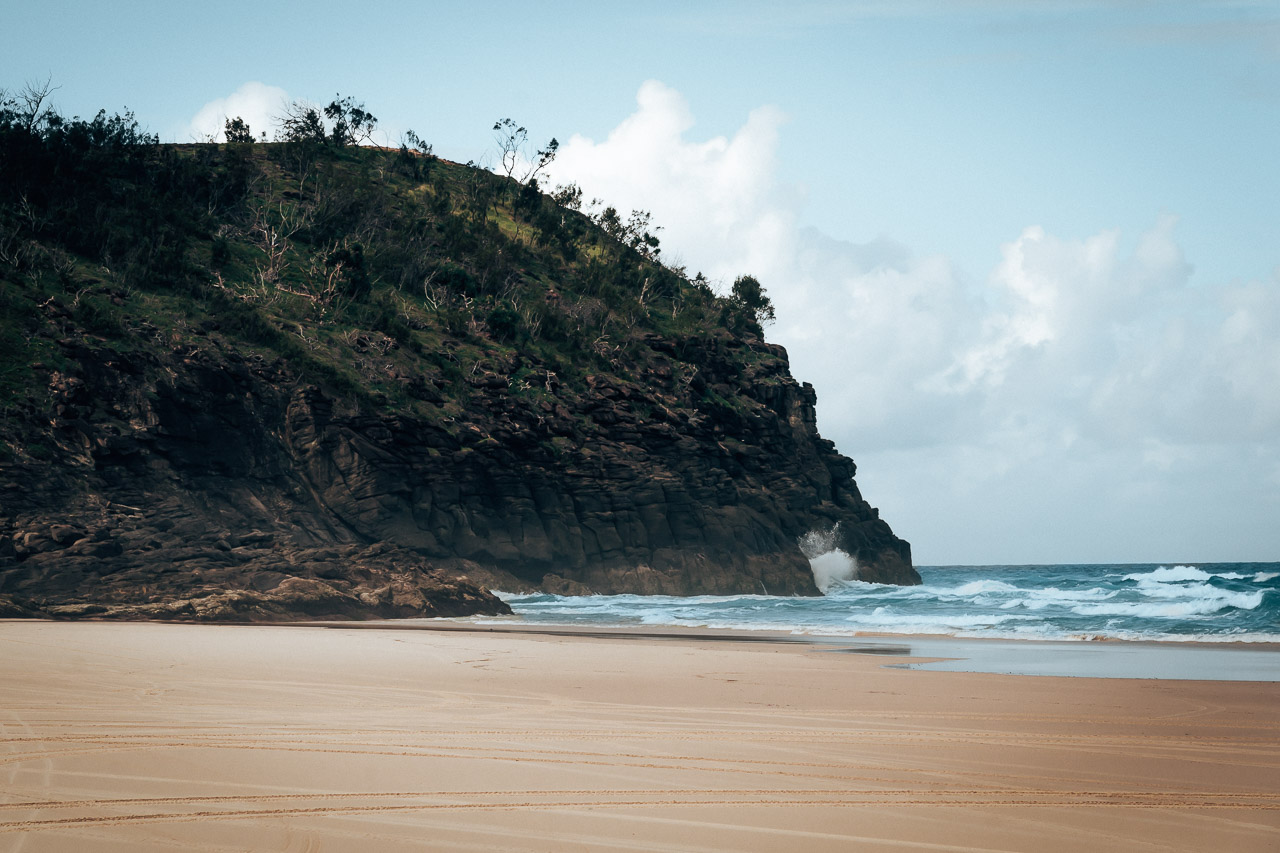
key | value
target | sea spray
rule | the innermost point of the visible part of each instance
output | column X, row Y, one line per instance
column 830, row 565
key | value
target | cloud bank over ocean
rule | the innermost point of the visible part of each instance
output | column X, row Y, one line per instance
column 1095, row 372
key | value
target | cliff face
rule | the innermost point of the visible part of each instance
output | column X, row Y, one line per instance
column 225, row 489
column 611, row 491
column 261, row 418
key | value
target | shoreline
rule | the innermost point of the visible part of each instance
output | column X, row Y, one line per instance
column 513, row 625
column 1142, row 659
column 1189, row 660
column 1209, row 661
column 351, row 736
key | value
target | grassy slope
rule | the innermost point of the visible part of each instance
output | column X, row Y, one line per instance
column 388, row 278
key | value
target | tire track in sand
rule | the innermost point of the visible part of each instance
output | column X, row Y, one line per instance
column 661, row 798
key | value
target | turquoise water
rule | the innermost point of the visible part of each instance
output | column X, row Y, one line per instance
column 1207, row 602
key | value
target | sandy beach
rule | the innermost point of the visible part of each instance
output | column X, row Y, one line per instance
column 135, row 737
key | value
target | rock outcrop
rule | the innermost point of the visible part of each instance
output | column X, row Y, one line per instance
column 210, row 485
column 309, row 380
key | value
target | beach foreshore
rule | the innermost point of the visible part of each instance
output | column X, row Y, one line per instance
column 150, row 736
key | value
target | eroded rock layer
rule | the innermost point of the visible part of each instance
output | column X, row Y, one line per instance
column 207, row 484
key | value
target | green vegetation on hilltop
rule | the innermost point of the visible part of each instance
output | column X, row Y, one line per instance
column 388, row 276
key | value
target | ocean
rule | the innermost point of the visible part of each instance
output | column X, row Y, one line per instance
column 1204, row 602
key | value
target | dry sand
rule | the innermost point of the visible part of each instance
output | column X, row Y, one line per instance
column 137, row 737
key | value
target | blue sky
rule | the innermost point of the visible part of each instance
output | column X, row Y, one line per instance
column 1028, row 252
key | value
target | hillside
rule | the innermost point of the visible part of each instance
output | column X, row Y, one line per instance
column 312, row 379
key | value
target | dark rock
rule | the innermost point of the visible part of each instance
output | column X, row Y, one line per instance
column 205, row 485
column 11, row 608
column 63, row 534
column 266, row 581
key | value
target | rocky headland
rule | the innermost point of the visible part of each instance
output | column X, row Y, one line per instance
column 317, row 382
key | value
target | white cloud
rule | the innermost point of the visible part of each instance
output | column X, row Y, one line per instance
column 1081, row 388
column 714, row 197
column 257, row 103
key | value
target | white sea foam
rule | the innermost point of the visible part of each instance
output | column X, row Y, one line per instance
column 1201, row 606
column 1050, row 597
column 1263, row 577
column 983, row 586
column 1166, row 574
column 890, row 616
column 889, row 620
column 864, row 591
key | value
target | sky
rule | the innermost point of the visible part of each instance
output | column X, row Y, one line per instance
column 1028, row 253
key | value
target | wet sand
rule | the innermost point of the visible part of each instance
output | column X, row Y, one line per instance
column 169, row 737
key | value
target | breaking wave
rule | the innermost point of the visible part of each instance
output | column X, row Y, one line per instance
column 831, row 566
column 1207, row 602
